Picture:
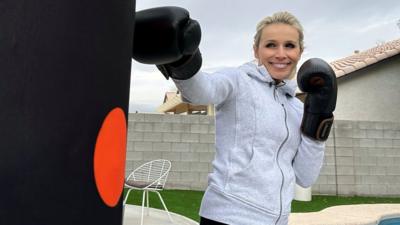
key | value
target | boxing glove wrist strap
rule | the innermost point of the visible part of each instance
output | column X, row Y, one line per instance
column 183, row 69
column 317, row 126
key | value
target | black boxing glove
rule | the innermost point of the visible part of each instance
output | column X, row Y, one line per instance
column 318, row 80
column 167, row 37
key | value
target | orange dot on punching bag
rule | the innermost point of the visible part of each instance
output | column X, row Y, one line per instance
column 109, row 157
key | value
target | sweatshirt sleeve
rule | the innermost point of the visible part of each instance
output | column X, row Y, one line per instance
column 204, row 88
column 308, row 161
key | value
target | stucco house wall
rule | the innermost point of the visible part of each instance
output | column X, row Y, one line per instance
column 371, row 93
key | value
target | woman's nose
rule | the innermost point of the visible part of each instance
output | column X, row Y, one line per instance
column 280, row 52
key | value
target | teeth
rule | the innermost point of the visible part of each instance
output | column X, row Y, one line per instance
column 279, row 65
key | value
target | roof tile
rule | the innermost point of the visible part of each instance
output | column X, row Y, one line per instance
column 365, row 58
column 380, row 56
column 359, row 65
column 392, row 52
column 370, row 60
column 348, row 69
column 339, row 73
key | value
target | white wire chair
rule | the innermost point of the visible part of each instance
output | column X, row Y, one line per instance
column 152, row 177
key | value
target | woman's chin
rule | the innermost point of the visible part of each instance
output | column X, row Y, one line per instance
column 280, row 76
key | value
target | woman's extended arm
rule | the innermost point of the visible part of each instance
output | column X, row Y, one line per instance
column 204, row 88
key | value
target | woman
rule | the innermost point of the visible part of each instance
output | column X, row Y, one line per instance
column 260, row 150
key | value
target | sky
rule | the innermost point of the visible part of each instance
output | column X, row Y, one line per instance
column 332, row 30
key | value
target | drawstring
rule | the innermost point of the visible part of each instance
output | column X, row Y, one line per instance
column 282, row 83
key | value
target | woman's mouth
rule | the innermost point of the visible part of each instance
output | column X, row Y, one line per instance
column 280, row 65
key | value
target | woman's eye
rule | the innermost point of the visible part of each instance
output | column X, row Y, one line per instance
column 270, row 45
column 290, row 45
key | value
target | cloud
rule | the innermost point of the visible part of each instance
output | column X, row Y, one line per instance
column 148, row 87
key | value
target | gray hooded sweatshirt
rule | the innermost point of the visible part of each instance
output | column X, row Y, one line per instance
column 260, row 150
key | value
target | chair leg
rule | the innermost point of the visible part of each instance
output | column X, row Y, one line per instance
column 143, row 199
column 165, row 207
column 127, row 194
column 147, row 201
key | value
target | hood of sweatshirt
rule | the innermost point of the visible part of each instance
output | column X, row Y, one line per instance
column 261, row 74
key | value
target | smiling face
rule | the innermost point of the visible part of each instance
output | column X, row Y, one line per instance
column 279, row 50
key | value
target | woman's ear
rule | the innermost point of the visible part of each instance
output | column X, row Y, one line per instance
column 255, row 50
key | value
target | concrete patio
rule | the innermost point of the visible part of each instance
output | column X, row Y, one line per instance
column 132, row 216
column 365, row 214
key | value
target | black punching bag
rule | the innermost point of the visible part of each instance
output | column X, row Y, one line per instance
column 64, row 95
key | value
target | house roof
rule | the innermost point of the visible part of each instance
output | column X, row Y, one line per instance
column 173, row 103
column 362, row 59
column 169, row 95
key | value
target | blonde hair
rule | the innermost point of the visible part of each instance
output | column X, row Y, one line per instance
column 279, row 17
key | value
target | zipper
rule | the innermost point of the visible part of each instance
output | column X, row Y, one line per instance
column 277, row 160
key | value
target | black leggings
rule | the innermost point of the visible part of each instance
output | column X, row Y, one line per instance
column 205, row 221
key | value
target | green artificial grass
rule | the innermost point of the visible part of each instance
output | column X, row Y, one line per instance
column 183, row 202
column 187, row 203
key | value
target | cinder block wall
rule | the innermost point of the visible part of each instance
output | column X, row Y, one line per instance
column 186, row 140
column 361, row 158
